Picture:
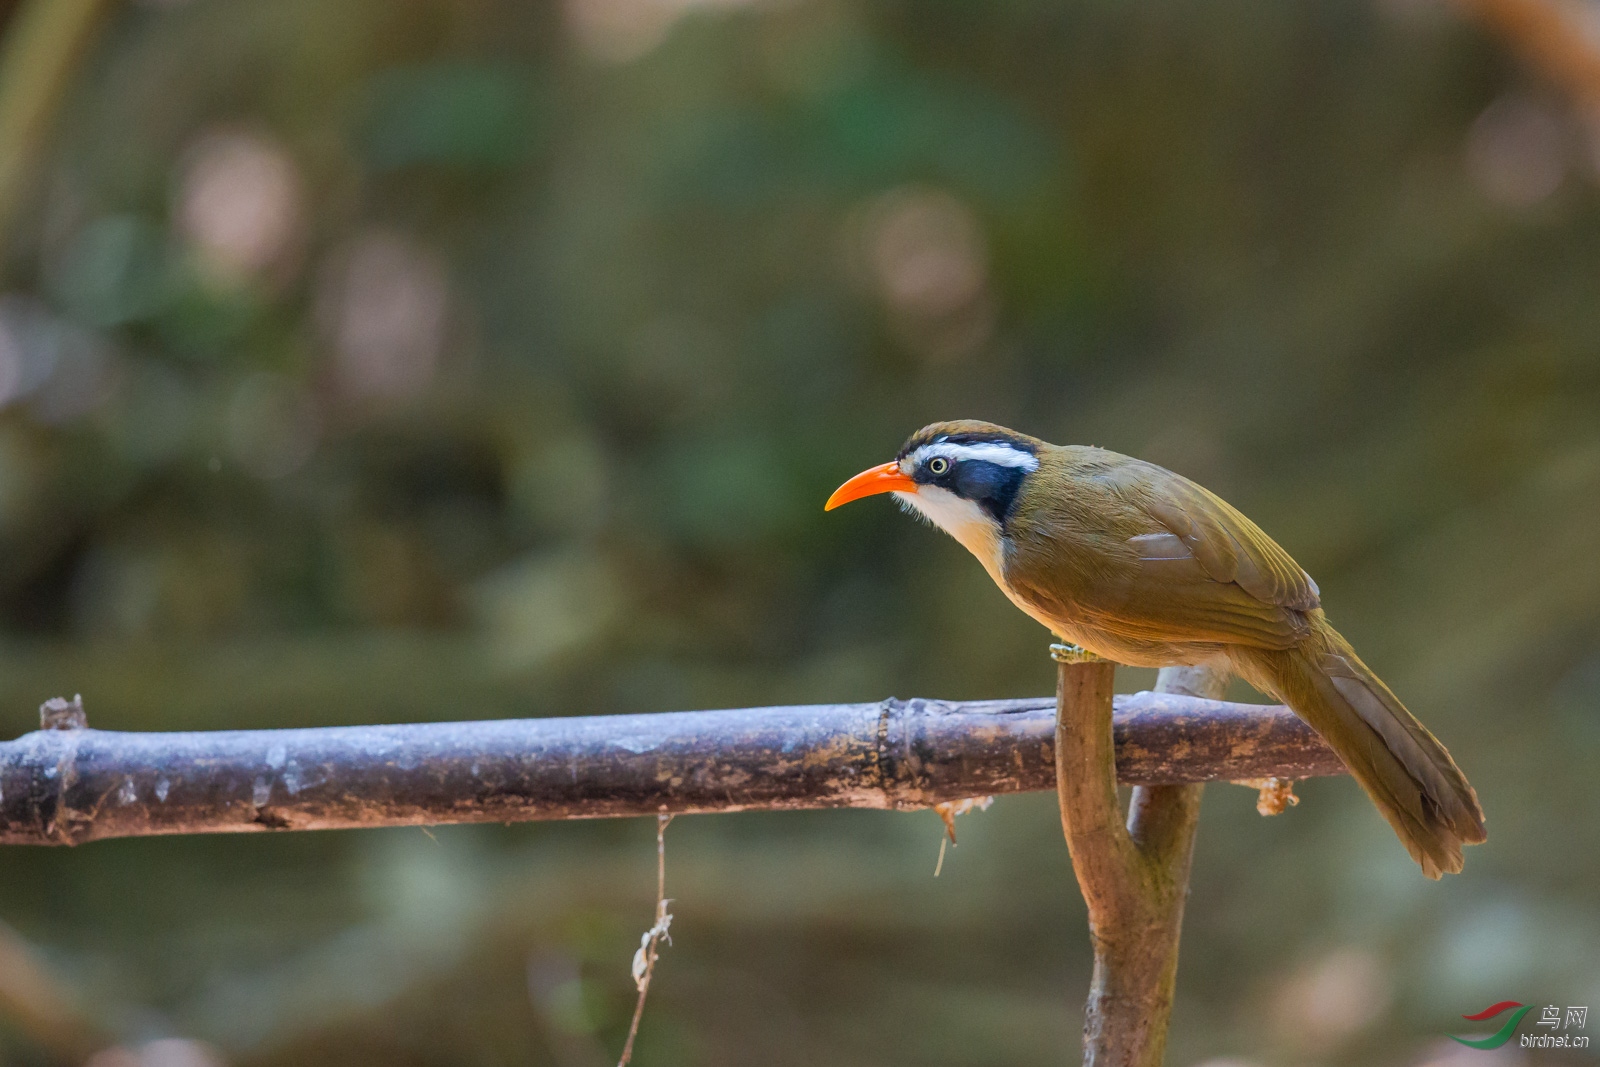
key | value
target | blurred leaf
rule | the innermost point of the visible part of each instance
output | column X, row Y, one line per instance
column 458, row 114
column 118, row 269
column 901, row 125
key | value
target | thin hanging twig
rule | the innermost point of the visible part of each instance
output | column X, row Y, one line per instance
column 644, row 960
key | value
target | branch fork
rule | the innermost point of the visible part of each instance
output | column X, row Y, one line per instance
column 1135, row 874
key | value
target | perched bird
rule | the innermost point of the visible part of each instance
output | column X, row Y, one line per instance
column 1144, row 567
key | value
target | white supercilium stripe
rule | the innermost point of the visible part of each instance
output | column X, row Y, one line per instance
column 990, row 451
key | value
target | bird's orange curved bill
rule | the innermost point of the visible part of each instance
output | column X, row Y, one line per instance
column 882, row 479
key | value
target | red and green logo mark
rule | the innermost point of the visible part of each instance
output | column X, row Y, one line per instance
column 1551, row 1019
column 1501, row 1036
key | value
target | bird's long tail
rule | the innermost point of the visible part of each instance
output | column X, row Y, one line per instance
column 1405, row 770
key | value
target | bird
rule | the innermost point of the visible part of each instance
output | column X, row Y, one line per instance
column 1144, row 567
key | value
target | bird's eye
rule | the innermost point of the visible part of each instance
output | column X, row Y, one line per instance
column 938, row 465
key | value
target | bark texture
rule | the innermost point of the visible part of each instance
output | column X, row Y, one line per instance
column 1135, row 875
column 69, row 784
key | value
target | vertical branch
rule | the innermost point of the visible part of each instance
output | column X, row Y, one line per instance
column 1086, row 782
column 1134, row 877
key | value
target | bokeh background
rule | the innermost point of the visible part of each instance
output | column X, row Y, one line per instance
column 431, row 359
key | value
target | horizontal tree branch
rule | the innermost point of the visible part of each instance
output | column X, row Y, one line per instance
column 69, row 784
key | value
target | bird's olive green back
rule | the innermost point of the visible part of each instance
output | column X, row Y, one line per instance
column 1142, row 552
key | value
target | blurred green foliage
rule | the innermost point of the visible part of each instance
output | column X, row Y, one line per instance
column 420, row 360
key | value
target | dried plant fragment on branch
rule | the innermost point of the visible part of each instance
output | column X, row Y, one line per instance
column 1275, row 794
column 948, row 810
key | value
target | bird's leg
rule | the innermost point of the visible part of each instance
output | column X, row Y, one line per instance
column 1134, row 875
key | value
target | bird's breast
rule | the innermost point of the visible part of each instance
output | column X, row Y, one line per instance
column 962, row 519
column 979, row 534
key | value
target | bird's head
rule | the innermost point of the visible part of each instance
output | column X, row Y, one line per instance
column 962, row 476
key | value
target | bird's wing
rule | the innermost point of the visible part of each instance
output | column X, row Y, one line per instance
column 1228, row 546
column 1198, row 572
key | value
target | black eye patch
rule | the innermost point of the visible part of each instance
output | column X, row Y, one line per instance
column 990, row 485
column 977, row 478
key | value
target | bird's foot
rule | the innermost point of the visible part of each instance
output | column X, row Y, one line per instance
column 1074, row 654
